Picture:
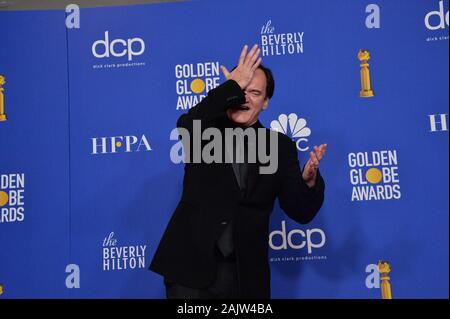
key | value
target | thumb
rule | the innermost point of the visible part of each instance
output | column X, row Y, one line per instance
column 225, row 72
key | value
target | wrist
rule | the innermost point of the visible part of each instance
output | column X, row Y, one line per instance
column 311, row 183
column 310, row 180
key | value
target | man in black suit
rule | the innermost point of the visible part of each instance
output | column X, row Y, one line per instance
column 216, row 243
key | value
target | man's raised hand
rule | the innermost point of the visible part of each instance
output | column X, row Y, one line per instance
column 246, row 67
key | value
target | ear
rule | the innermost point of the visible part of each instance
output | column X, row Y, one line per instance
column 266, row 103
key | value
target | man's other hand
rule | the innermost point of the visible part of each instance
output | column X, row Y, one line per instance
column 310, row 170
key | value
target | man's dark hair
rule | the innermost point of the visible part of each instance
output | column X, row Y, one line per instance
column 270, row 87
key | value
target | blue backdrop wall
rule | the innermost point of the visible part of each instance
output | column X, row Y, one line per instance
column 86, row 181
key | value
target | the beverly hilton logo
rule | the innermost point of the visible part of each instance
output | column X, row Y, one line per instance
column 2, row 99
column 194, row 81
column 116, row 257
column 12, row 198
column 374, row 175
column 293, row 127
column 274, row 43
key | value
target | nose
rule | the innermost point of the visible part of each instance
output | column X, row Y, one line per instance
column 246, row 99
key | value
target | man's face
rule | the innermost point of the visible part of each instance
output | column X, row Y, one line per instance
column 256, row 101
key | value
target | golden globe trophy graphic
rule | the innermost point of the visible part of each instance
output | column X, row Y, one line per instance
column 2, row 99
column 384, row 269
column 366, row 86
column 1, row 289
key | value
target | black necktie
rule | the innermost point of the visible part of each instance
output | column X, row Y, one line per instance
column 225, row 242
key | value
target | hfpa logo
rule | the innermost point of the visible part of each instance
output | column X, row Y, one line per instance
column 118, row 47
column 123, row 144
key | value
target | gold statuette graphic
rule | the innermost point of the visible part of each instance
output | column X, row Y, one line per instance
column 384, row 270
column 2, row 99
column 1, row 289
column 366, row 87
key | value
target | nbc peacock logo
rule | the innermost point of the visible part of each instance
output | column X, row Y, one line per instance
column 294, row 127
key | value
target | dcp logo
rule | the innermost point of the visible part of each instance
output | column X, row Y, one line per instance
column 434, row 16
column 312, row 238
column 118, row 47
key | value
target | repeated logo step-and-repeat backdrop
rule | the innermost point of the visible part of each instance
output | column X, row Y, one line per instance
column 88, row 99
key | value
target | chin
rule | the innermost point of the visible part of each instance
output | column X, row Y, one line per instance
column 240, row 120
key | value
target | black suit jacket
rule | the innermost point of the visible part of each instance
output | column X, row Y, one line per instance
column 212, row 198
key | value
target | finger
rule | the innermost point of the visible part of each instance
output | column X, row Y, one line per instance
column 257, row 63
column 316, row 149
column 314, row 165
column 313, row 159
column 225, row 72
column 323, row 149
column 316, row 161
column 320, row 151
column 308, row 168
column 255, row 57
column 250, row 54
column 317, row 153
column 308, row 165
column 243, row 54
